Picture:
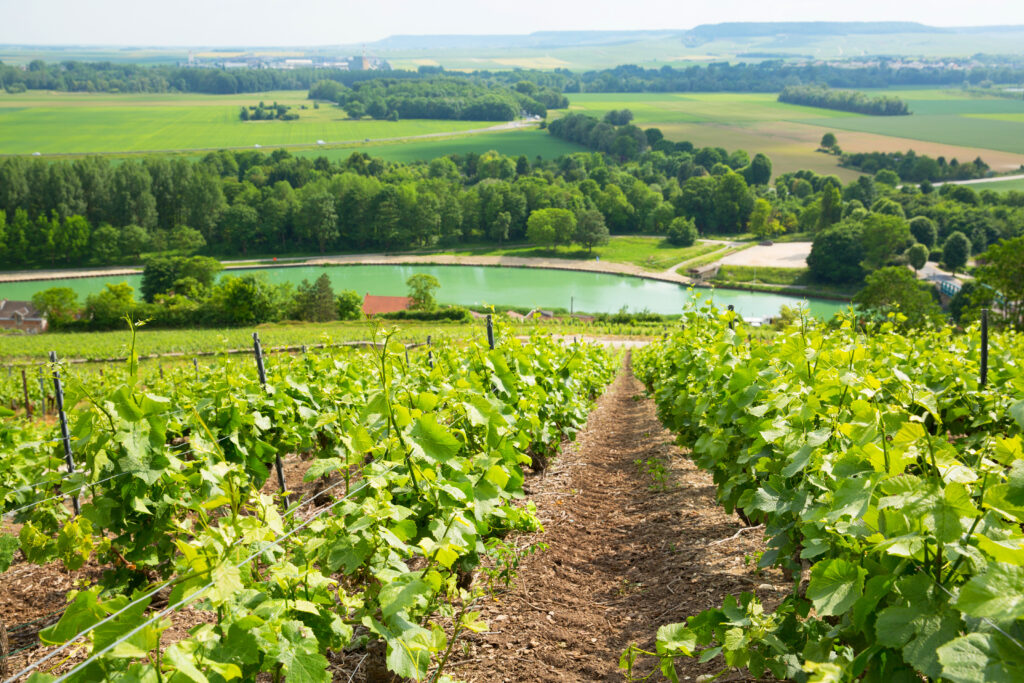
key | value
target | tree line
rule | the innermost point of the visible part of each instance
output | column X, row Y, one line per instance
column 911, row 167
column 762, row 76
column 844, row 100
column 439, row 98
column 92, row 211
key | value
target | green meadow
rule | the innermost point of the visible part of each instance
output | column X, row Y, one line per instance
column 74, row 123
column 530, row 142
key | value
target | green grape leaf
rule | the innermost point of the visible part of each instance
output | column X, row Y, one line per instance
column 8, row 546
column 981, row 658
column 997, row 594
column 433, row 440
column 835, row 585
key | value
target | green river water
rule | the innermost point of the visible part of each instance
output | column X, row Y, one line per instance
column 481, row 285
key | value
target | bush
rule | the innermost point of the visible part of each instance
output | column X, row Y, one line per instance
column 454, row 314
column 836, row 254
column 682, row 232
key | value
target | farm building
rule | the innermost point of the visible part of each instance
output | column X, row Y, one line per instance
column 21, row 315
column 374, row 305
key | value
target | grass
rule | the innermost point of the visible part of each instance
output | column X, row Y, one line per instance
column 77, row 123
column 650, row 253
column 711, row 258
column 762, row 274
column 1016, row 185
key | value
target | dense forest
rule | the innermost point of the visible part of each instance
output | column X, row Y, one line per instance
column 844, row 100
column 764, row 76
column 441, row 97
column 93, row 211
column 915, row 168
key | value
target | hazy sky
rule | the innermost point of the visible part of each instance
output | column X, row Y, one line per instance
column 329, row 22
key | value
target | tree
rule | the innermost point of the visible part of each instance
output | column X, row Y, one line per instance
column 733, row 202
column 836, row 254
column 315, row 302
column 58, row 304
column 887, row 207
column 355, row 109
column 72, row 238
column 923, row 230
column 349, row 305
column 318, row 219
column 762, row 223
column 550, row 226
column 759, row 172
column 246, row 300
column 107, row 309
column 682, row 232
column 887, row 177
column 917, row 256
column 896, row 290
column 828, row 141
column 134, row 239
column 158, row 276
column 955, row 251
column 831, row 207
column 239, row 226
column 590, row 230
column 106, row 246
column 185, row 240
column 883, row 237
column 1002, row 271
column 421, row 291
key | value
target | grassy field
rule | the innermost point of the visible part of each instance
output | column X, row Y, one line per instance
column 948, row 117
column 946, row 123
column 76, row 123
column 650, row 253
column 1016, row 185
column 531, row 142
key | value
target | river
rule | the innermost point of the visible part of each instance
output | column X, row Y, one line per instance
column 482, row 285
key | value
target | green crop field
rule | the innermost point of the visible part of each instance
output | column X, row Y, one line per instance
column 946, row 123
column 531, row 142
column 950, row 117
column 74, row 123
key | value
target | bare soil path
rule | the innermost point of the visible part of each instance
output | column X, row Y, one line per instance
column 623, row 559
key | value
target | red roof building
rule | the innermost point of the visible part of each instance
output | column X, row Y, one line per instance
column 373, row 305
column 21, row 315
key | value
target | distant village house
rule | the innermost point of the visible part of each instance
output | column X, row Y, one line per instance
column 21, row 315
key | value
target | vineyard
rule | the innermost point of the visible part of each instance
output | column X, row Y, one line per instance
column 412, row 471
column 889, row 480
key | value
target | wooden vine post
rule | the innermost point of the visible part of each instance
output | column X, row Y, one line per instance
column 5, row 648
column 258, row 352
column 984, row 349
column 24, row 388
column 490, row 331
column 58, row 389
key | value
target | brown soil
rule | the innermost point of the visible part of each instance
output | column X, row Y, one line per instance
column 623, row 559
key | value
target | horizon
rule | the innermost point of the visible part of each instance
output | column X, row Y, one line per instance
column 322, row 23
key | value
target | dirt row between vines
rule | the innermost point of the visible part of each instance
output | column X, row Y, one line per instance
column 623, row 558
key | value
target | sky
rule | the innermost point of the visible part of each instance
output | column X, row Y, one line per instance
column 334, row 22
